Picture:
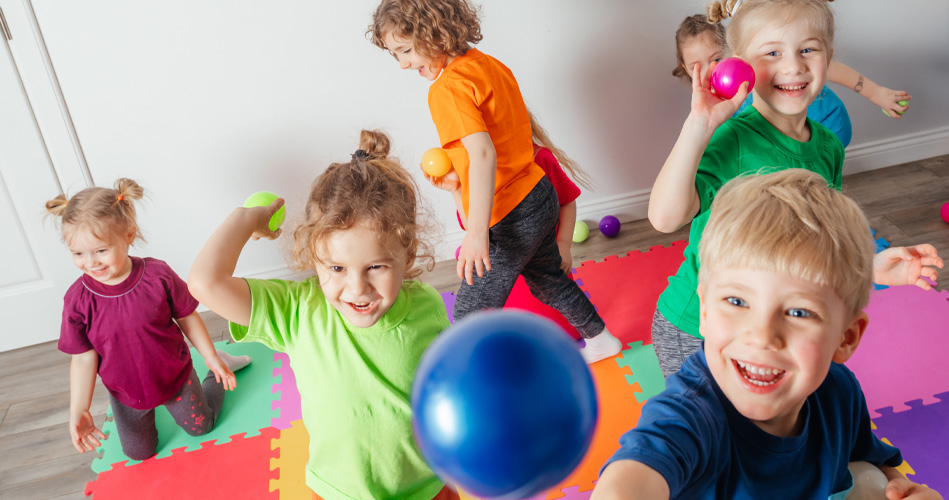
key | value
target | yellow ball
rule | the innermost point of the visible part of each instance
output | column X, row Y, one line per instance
column 435, row 162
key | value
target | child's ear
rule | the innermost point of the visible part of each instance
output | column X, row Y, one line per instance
column 701, row 294
column 851, row 338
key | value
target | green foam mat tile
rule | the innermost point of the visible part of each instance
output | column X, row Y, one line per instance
column 247, row 409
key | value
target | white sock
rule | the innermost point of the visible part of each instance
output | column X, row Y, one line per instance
column 602, row 346
column 234, row 362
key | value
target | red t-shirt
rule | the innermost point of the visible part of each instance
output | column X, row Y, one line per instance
column 566, row 190
column 143, row 357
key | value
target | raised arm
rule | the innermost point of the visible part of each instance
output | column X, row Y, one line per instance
column 628, row 479
column 482, row 172
column 883, row 97
column 674, row 200
column 212, row 279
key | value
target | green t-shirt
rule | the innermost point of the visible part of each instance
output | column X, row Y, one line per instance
column 745, row 144
column 354, row 384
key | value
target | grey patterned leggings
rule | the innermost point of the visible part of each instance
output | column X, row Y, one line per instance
column 523, row 243
column 194, row 407
column 673, row 346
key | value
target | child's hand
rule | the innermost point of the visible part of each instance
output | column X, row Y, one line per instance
column 473, row 256
column 907, row 266
column 888, row 99
column 222, row 373
column 709, row 106
column 262, row 220
column 448, row 182
column 901, row 487
column 85, row 435
column 566, row 258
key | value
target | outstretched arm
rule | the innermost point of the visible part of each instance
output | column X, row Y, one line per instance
column 907, row 266
column 212, row 279
column 883, row 97
column 899, row 487
column 674, row 200
column 82, row 382
column 628, row 479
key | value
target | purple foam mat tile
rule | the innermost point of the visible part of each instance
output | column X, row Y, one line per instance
column 922, row 435
column 449, row 299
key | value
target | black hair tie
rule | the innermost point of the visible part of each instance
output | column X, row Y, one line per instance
column 360, row 155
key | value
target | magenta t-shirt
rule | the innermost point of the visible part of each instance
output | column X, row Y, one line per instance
column 143, row 356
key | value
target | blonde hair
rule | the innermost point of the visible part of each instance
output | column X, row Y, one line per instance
column 106, row 213
column 791, row 222
column 373, row 190
column 436, row 27
column 690, row 28
column 753, row 15
column 540, row 137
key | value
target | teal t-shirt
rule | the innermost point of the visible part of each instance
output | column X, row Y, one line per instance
column 745, row 144
column 354, row 384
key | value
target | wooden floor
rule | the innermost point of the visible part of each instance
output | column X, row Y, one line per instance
column 37, row 460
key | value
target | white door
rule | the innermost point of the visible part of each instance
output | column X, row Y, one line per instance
column 35, row 267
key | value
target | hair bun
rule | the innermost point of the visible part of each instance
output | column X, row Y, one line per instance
column 374, row 143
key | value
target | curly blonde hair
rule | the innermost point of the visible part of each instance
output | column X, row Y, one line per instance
column 373, row 190
column 751, row 15
column 436, row 27
column 106, row 213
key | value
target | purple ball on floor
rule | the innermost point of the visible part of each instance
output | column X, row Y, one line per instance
column 609, row 226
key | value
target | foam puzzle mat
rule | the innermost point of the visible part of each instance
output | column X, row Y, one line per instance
column 260, row 447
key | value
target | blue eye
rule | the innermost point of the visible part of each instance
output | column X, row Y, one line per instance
column 376, row 266
column 799, row 313
column 773, row 53
column 736, row 301
column 807, row 51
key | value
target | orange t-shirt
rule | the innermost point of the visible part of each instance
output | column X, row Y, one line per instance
column 476, row 93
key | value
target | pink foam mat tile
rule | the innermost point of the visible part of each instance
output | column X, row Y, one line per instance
column 904, row 351
column 288, row 399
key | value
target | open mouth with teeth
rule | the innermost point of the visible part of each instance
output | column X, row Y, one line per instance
column 361, row 307
column 757, row 375
column 792, row 89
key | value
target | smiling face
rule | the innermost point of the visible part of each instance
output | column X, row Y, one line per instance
column 770, row 340
column 359, row 275
column 107, row 262
column 790, row 62
column 701, row 49
column 404, row 51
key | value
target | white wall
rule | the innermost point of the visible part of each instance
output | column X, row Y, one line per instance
column 205, row 102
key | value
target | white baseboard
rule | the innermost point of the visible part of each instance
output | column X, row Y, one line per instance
column 896, row 150
column 633, row 206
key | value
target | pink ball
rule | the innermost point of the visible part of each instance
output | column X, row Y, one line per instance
column 728, row 76
column 944, row 212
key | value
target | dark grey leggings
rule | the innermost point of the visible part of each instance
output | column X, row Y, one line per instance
column 194, row 407
column 523, row 243
column 673, row 346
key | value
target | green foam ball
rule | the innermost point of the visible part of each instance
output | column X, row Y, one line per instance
column 580, row 232
column 263, row 199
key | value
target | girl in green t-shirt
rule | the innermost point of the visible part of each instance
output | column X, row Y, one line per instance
column 355, row 332
column 789, row 44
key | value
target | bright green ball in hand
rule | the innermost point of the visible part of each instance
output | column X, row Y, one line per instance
column 263, row 199
column 901, row 103
column 580, row 232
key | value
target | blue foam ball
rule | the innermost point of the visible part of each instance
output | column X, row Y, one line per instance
column 503, row 404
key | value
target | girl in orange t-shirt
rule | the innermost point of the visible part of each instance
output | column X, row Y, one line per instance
column 483, row 124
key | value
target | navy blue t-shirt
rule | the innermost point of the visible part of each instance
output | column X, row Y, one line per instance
column 704, row 448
